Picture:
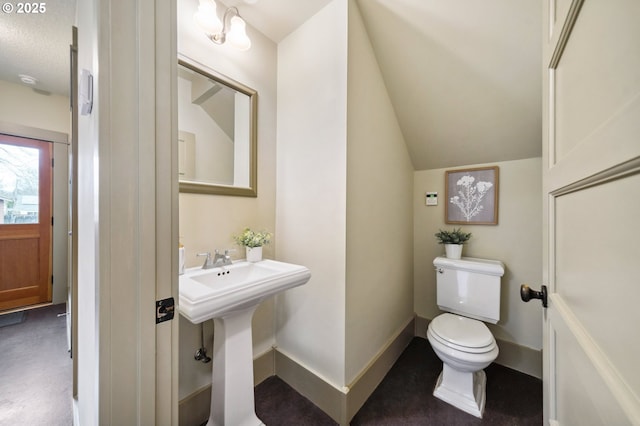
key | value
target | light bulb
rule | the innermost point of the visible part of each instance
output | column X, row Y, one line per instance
column 207, row 18
column 237, row 36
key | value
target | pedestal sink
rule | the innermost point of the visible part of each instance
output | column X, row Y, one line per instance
column 229, row 295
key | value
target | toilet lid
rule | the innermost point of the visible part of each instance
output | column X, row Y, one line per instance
column 466, row 334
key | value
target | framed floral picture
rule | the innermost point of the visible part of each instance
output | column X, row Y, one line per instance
column 472, row 196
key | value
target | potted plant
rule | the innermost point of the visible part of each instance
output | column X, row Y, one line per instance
column 253, row 242
column 453, row 241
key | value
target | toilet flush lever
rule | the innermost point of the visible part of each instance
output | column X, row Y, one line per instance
column 527, row 294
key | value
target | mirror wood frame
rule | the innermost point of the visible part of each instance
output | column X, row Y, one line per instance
column 196, row 187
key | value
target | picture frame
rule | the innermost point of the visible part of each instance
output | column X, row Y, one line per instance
column 471, row 196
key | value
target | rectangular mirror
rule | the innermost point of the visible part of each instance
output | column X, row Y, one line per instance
column 217, row 136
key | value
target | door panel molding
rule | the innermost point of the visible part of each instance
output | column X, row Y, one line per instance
column 625, row 169
column 603, row 140
column 605, row 148
column 591, row 111
column 567, row 27
column 611, row 377
column 596, row 266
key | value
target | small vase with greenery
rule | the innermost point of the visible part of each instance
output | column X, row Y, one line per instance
column 453, row 241
column 253, row 242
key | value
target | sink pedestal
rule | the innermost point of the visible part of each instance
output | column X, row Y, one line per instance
column 229, row 295
column 232, row 389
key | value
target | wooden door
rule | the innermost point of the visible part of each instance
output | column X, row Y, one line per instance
column 25, row 222
column 591, row 181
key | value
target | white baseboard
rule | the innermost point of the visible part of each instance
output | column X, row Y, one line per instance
column 324, row 395
column 342, row 404
column 373, row 374
column 193, row 410
column 520, row 358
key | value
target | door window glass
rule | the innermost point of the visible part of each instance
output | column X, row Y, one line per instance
column 18, row 184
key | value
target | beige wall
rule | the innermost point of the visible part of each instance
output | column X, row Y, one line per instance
column 344, row 200
column 379, row 284
column 24, row 106
column 516, row 241
column 311, row 202
column 208, row 222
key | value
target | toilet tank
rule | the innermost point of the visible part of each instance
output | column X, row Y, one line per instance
column 469, row 287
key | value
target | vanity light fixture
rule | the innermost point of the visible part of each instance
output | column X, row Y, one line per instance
column 232, row 28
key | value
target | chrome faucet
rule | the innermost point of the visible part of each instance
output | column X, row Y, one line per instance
column 208, row 263
column 222, row 259
column 218, row 259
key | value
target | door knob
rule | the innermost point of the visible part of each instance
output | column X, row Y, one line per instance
column 527, row 294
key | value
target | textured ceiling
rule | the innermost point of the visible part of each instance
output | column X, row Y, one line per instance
column 38, row 45
column 463, row 75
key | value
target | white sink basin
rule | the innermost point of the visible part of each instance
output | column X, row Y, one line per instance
column 230, row 295
column 212, row 293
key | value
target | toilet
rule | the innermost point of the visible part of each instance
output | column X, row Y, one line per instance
column 468, row 290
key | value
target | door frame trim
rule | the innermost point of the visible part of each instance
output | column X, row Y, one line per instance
column 21, row 131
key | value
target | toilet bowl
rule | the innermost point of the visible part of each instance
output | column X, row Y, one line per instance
column 466, row 347
column 467, row 344
column 468, row 290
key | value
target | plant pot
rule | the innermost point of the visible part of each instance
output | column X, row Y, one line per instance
column 254, row 254
column 453, row 251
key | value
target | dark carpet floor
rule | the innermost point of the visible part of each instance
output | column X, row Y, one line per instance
column 404, row 398
column 36, row 378
column 36, row 370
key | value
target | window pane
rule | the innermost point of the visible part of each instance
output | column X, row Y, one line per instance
column 18, row 184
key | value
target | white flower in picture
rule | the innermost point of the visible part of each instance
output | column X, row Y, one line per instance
column 469, row 198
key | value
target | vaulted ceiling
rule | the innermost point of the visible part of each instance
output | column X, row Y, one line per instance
column 464, row 76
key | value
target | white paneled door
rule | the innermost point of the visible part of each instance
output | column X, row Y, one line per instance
column 591, row 181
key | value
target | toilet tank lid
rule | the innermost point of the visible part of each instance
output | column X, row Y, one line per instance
column 471, row 264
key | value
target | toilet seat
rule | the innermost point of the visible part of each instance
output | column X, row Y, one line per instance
column 462, row 334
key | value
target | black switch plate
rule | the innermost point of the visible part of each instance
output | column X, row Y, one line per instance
column 164, row 310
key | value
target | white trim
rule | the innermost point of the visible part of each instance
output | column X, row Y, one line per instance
column 622, row 391
column 361, row 388
column 343, row 404
column 565, row 33
column 551, row 378
column 607, row 148
column 552, row 18
column 552, row 149
column 13, row 129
